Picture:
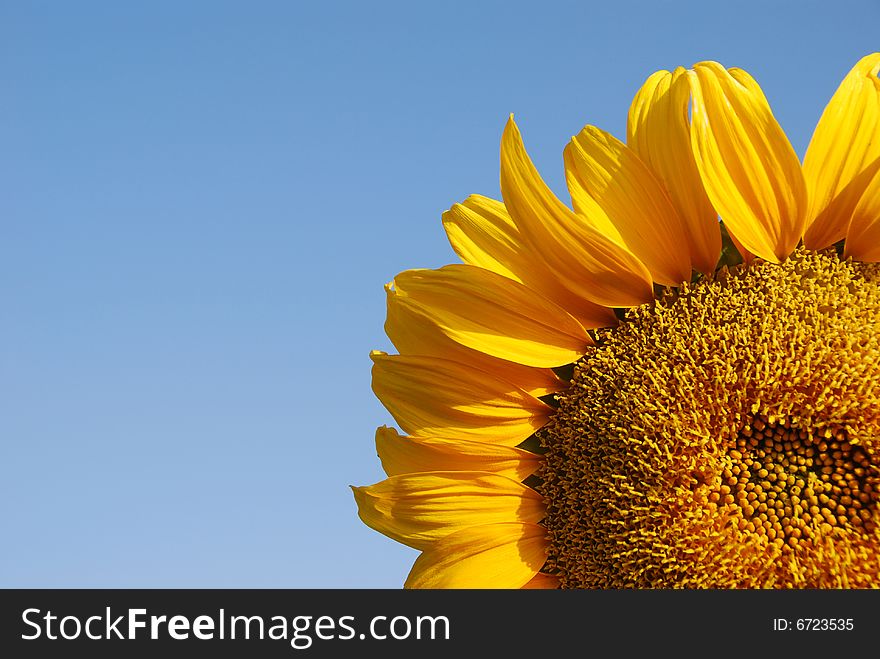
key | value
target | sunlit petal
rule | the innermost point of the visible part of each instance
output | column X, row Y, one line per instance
column 747, row 165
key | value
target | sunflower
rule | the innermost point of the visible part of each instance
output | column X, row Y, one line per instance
column 675, row 382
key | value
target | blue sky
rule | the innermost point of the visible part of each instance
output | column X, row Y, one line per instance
column 200, row 204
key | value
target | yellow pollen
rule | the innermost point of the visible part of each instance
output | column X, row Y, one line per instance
column 727, row 435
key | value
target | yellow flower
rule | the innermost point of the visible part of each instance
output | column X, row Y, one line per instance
column 632, row 393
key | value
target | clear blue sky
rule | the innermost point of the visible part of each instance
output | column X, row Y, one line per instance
column 199, row 205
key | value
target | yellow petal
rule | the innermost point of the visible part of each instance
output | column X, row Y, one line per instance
column 420, row 509
column 584, row 260
column 602, row 172
column 432, row 397
column 863, row 238
column 405, row 455
column 482, row 233
column 844, row 144
column 542, row 581
column 748, row 168
column 413, row 333
column 493, row 315
column 658, row 130
column 491, row 556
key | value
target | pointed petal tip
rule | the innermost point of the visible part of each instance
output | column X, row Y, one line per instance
column 360, row 496
column 511, row 130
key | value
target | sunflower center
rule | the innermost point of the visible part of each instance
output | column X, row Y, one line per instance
column 788, row 485
column 727, row 435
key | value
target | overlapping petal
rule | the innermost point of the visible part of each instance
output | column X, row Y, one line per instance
column 404, row 455
column 433, row 397
column 607, row 179
column 420, row 509
column 413, row 333
column 842, row 157
column 658, row 130
column 482, row 233
column 492, row 556
column 749, row 170
column 492, row 314
column 584, row 260
column 863, row 237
